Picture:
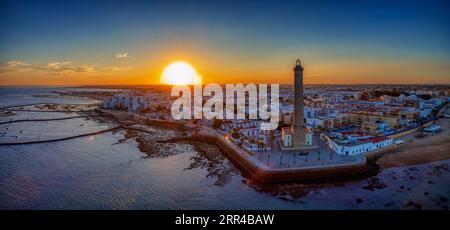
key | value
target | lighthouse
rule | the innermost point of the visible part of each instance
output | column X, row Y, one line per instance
column 298, row 137
column 298, row 124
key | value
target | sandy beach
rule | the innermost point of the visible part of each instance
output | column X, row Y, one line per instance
column 420, row 150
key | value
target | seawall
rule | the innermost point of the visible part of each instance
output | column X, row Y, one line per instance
column 255, row 169
column 260, row 172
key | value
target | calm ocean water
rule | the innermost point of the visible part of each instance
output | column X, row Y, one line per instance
column 98, row 173
column 26, row 95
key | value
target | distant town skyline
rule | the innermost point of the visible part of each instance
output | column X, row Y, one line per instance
column 108, row 43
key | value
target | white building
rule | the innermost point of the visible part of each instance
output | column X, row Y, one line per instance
column 350, row 146
column 424, row 113
column 126, row 102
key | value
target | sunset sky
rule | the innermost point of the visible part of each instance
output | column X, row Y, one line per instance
column 131, row 42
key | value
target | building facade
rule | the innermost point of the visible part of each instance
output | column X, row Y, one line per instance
column 361, row 146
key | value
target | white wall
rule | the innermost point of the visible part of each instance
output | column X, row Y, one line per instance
column 358, row 149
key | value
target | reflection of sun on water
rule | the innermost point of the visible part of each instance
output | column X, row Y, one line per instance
column 180, row 73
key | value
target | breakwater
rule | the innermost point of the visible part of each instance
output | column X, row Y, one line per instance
column 50, row 119
column 63, row 138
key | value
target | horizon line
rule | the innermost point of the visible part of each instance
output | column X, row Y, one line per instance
column 160, row 84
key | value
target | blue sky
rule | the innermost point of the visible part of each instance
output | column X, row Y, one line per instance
column 235, row 36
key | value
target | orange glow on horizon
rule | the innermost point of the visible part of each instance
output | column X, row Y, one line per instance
column 163, row 70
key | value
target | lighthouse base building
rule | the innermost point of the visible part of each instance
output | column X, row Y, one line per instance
column 289, row 142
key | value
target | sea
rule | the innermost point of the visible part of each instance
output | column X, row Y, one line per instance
column 102, row 172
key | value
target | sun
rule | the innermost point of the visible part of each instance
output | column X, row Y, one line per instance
column 180, row 73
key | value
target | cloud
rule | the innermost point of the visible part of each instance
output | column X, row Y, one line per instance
column 68, row 67
column 120, row 68
column 123, row 55
column 13, row 65
column 63, row 67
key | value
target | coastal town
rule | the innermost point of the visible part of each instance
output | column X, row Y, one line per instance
column 336, row 124
column 258, row 111
column 325, row 134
